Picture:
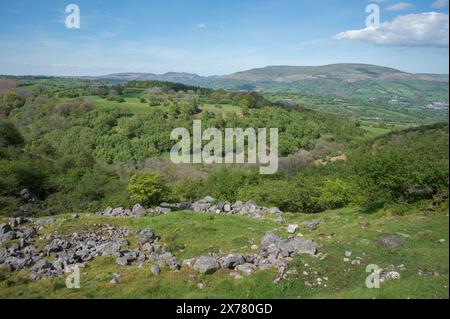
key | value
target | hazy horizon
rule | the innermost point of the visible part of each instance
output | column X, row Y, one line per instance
column 210, row 38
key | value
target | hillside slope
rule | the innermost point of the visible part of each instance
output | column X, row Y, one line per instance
column 345, row 80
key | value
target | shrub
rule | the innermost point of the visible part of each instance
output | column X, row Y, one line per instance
column 147, row 188
column 9, row 135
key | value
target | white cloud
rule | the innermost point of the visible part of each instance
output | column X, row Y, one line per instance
column 201, row 25
column 412, row 30
column 399, row 6
column 440, row 4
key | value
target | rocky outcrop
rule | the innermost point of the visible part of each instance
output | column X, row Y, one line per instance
column 136, row 211
column 61, row 254
column 204, row 205
column 249, row 208
column 275, row 252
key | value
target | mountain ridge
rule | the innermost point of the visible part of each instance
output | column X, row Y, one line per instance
column 290, row 73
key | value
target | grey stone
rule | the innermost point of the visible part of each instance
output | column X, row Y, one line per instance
column 138, row 210
column 390, row 241
column 29, row 233
column 16, row 263
column 298, row 246
column 269, row 239
column 41, row 265
column 116, row 279
column 292, row 228
column 233, row 260
column 107, row 211
column 162, row 210
column 311, row 225
column 122, row 261
column 108, row 249
column 8, row 236
column 274, row 210
column 117, row 211
column 5, row 228
column 145, row 236
column 246, row 269
column 206, row 264
column 155, row 270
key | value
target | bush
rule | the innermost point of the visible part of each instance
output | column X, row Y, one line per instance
column 9, row 135
column 188, row 190
column 334, row 193
column 13, row 100
column 147, row 188
column 224, row 183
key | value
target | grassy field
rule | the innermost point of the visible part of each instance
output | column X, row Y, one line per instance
column 424, row 254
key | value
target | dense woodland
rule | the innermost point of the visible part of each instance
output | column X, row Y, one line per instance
column 79, row 146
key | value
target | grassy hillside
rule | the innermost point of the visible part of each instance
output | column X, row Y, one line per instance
column 424, row 256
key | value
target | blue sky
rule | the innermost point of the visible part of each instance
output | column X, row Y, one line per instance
column 217, row 37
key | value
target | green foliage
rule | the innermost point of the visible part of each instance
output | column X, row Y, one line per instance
column 188, row 190
column 224, row 183
column 13, row 100
column 407, row 166
column 9, row 134
column 147, row 188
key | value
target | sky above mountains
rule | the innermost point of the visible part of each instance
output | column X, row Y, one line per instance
column 219, row 37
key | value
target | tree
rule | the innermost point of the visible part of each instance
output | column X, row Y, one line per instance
column 9, row 135
column 147, row 188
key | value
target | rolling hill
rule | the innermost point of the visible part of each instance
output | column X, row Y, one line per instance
column 344, row 80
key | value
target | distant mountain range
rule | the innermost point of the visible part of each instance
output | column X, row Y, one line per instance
column 347, row 80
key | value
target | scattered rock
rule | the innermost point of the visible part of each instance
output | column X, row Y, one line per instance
column 311, row 225
column 246, row 269
column 155, row 270
column 138, row 210
column 122, row 261
column 292, row 228
column 390, row 241
column 233, row 260
column 145, row 236
column 116, row 279
column 236, row 275
column 206, row 264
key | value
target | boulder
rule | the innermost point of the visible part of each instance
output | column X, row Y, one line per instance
column 145, row 236
column 227, row 207
column 269, row 239
column 41, row 265
column 155, row 270
column 5, row 228
column 274, row 210
column 16, row 263
column 108, row 249
column 8, row 236
column 390, row 241
column 107, row 211
column 122, row 261
column 297, row 246
column 116, row 279
column 138, row 210
column 206, row 264
column 233, row 260
column 311, row 225
column 162, row 210
column 246, row 269
column 117, row 211
column 292, row 228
